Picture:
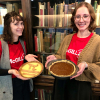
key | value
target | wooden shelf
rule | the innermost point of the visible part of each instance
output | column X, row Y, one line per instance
column 96, row 88
column 51, row 27
column 98, row 27
column 43, row 53
column 44, row 81
column 55, row 27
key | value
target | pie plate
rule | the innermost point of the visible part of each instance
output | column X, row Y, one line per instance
column 63, row 68
column 31, row 69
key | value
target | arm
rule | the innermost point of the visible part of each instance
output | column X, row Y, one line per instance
column 4, row 72
column 31, row 57
column 91, row 55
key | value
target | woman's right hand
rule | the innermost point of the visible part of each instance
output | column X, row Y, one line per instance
column 17, row 74
column 50, row 58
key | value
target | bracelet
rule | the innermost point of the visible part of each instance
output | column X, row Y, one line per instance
column 86, row 65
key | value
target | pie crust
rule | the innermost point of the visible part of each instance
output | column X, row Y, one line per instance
column 62, row 68
column 31, row 69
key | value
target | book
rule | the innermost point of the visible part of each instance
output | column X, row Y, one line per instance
column 61, row 15
column 65, row 15
column 9, row 7
column 53, row 42
column 35, row 42
column 57, row 41
column 45, row 17
column 3, row 13
column 36, row 94
column 15, row 7
column 69, row 19
column 41, row 41
column 42, row 96
column 95, row 5
column 55, row 11
column 69, row 8
column 39, row 4
column 20, row 12
column 50, row 42
column 38, row 40
column 62, row 36
column 46, row 42
column 89, row 1
column 39, row 94
column 98, row 16
column 51, row 19
column 41, row 15
column 73, row 7
column 48, row 8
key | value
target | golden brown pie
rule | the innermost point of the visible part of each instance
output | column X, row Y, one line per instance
column 62, row 68
column 31, row 69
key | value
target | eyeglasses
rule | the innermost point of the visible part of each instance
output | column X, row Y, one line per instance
column 85, row 17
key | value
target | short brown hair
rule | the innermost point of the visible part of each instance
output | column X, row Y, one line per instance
column 7, row 33
column 92, row 25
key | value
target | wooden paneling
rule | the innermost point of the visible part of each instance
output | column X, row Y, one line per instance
column 26, row 9
column 96, row 89
column 44, row 82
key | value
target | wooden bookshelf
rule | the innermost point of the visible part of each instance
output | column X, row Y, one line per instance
column 46, row 81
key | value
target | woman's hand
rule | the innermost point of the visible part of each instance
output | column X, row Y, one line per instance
column 81, row 67
column 31, row 57
column 17, row 74
column 50, row 58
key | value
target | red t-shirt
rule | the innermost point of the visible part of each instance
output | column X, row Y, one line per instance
column 76, row 46
column 16, row 53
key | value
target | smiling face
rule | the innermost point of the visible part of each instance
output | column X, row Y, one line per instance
column 17, row 29
column 82, row 18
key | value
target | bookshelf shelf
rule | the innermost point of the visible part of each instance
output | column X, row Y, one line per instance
column 51, row 27
column 43, row 53
column 98, row 27
column 46, row 25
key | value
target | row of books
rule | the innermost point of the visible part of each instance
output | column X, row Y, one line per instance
column 4, row 9
column 14, row 7
column 46, row 41
column 42, row 94
column 59, row 15
column 56, row 16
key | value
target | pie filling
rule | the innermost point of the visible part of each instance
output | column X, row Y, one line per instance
column 62, row 68
column 31, row 69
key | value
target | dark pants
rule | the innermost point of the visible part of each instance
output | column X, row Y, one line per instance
column 21, row 89
column 71, row 90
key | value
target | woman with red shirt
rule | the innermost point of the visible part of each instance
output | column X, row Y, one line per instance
column 82, row 48
column 12, row 85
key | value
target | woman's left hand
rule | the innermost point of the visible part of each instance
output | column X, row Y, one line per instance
column 81, row 67
column 31, row 57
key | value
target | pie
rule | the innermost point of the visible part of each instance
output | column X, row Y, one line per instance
column 31, row 69
column 62, row 68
